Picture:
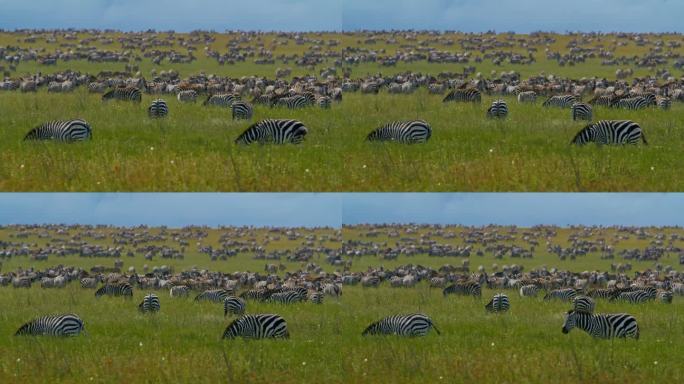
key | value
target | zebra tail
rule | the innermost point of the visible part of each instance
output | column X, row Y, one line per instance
column 435, row 328
column 643, row 137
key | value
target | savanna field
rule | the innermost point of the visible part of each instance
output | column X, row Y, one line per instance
column 183, row 341
column 193, row 149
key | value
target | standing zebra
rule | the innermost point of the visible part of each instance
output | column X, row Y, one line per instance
column 242, row 110
column 89, row 282
column 583, row 304
column 332, row 290
column 619, row 325
column 498, row 110
column 527, row 97
column 234, row 306
column 221, row 100
column 467, row 289
column 408, row 132
column 665, row 297
column 158, row 108
column 274, row 131
column 601, row 293
column 416, row 324
column 123, row 94
column 565, row 101
column 610, row 132
column 499, row 303
column 315, row 297
column 529, row 290
column 637, row 297
column 149, row 304
column 296, row 102
column 288, row 297
column 638, row 102
column 565, row 294
column 70, row 130
column 179, row 291
column 324, row 102
column 57, row 325
column 470, row 95
column 214, row 295
column 581, row 111
column 664, row 103
column 257, row 327
column 122, row 289
column 188, row 96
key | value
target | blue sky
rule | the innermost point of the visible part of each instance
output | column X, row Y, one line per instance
column 297, row 15
column 524, row 209
column 172, row 209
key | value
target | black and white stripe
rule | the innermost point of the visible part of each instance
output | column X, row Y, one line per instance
column 221, row 100
column 467, row 289
column 296, row 101
column 188, row 96
column 179, row 291
column 324, row 102
column 664, row 103
column 638, row 296
column 274, row 131
column 639, row 102
column 581, row 111
column 234, row 306
column 315, row 297
column 499, row 303
column 610, row 132
column 529, row 290
column 56, row 325
column 408, row 132
column 469, row 95
column 69, row 130
column 89, row 282
column 564, row 101
column 150, row 303
column 527, row 97
column 412, row 325
column 158, row 108
column 288, row 297
column 123, row 94
column 242, row 110
column 619, row 325
column 498, row 110
column 256, row 294
column 665, row 297
column 122, row 289
column 565, row 294
column 213, row 295
column 583, row 304
column 257, row 327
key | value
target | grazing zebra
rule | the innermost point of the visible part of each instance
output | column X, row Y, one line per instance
column 610, row 132
column 601, row 293
column 584, row 304
column 470, row 95
column 89, row 282
column 499, row 303
column 664, row 103
column 637, row 297
column 221, row 100
column 315, row 297
column 214, row 295
column 527, row 97
column 467, row 289
column 234, row 306
column 603, row 100
column 565, row 101
column 332, row 290
column 296, row 102
column 665, row 297
column 619, row 325
column 412, row 325
column 122, row 289
column 263, row 100
column 274, row 131
column 324, row 102
column 69, row 130
column 189, row 96
column 123, row 94
column 256, row 294
column 409, row 132
column 158, row 108
column 529, row 290
column 257, row 327
column 149, row 304
column 57, row 325
column 638, row 102
column 242, row 110
column 565, row 294
column 179, row 291
column 498, row 110
column 288, row 297
column 581, row 111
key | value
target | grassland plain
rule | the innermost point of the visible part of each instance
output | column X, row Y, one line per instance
column 182, row 343
column 193, row 149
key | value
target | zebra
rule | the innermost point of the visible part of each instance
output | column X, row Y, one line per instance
column 323, row 102
column 664, row 103
column 527, row 97
column 602, row 326
column 214, row 295
column 122, row 289
column 256, row 294
column 467, row 289
column 565, row 294
column 89, row 282
column 123, row 94
column 242, row 110
column 188, row 96
column 565, row 101
column 637, row 297
column 221, row 100
column 315, row 297
column 583, row 304
column 610, row 132
column 274, row 131
column 54, row 325
column 639, row 102
column 295, row 102
column 332, row 290
column 288, row 297
column 179, row 291
column 665, row 297
column 260, row 326
column 529, row 290
column 470, row 95
column 581, row 111
column 158, row 108
column 603, row 100
column 66, row 131
column 601, row 293
column 499, row 303
column 498, row 110
column 412, row 325
column 149, row 304
column 234, row 306
column 408, row 132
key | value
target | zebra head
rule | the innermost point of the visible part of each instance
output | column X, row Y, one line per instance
column 585, row 135
column 234, row 329
column 569, row 322
column 298, row 134
column 24, row 330
column 371, row 329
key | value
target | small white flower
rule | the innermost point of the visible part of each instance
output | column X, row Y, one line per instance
column 441, row 377
column 306, row 170
column 365, row 360
column 151, row 148
column 492, row 344
column 18, row 360
column 364, row 166
column 652, row 168
column 91, row 378
column 173, row 162
column 303, row 362
column 655, row 362
column 163, row 358
column 491, row 150
column 98, row 183
column 140, row 344
column 21, row 166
